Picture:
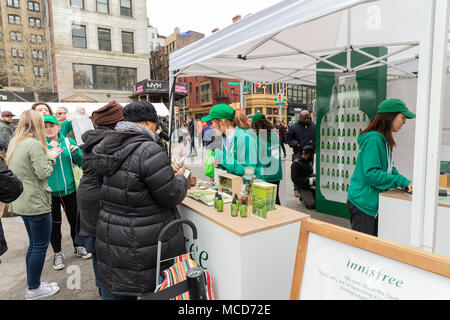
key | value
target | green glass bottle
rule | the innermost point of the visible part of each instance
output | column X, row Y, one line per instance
column 220, row 204
column 354, row 146
column 323, row 131
column 343, row 134
column 349, row 133
column 328, row 132
column 322, row 171
column 328, row 145
column 353, row 118
column 348, row 117
column 338, row 160
column 349, row 146
column 336, row 119
column 348, row 160
column 354, row 161
column 334, row 132
column 337, row 172
column 216, row 196
column 342, row 159
column 334, row 145
column 328, row 158
column 323, row 145
column 346, row 174
column 339, row 147
column 342, row 118
column 321, row 158
column 243, row 208
column 333, row 173
column 325, row 118
column 328, row 172
column 234, row 206
column 354, row 132
column 358, row 118
column 334, row 159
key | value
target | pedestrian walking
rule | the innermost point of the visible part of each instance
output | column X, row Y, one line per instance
column 375, row 170
column 61, row 114
column 89, row 194
column 62, row 185
column 282, row 134
column 191, row 129
column 140, row 193
column 6, row 129
column 30, row 160
column 269, row 167
column 300, row 134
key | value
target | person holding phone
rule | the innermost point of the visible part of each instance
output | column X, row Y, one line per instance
column 140, row 192
column 375, row 170
column 29, row 158
column 62, row 184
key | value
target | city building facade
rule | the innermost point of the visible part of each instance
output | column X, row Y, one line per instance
column 100, row 47
column 155, row 38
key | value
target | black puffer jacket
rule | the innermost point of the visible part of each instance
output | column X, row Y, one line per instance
column 139, row 197
column 10, row 189
column 88, row 193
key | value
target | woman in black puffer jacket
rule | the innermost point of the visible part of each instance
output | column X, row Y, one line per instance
column 140, row 193
column 88, row 193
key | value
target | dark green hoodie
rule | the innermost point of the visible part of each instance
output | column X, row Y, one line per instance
column 371, row 174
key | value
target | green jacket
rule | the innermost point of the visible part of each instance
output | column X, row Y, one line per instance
column 371, row 174
column 242, row 152
column 62, row 182
column 31, row 164
column 269, row 167
column 67, row 129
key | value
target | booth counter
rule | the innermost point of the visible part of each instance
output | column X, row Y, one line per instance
column 394, row 221
column 248, row 258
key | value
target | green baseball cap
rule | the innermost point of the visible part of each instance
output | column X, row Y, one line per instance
column 219, row 111
column 257, row 117
column 395, row 105
column 50, row 118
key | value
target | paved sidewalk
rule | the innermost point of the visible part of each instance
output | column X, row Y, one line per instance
column 76, row 280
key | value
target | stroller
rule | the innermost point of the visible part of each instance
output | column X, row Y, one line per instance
column 196, row 283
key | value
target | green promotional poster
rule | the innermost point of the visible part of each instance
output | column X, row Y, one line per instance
column 345, row 104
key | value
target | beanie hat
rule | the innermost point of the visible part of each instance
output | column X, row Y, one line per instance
column 108, row 115
column 140, row 111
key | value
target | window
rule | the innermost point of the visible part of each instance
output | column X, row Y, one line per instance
column 190, row 86
column 13, row 19
column 206, row 92
column 33, row 38
column 127, row 42
column 196, row 93
column 220, row 88
column 39, row 39
column 14, row 52
column 103, row 6
column 38, row 54
column 77, row 4
column 125, row 8
column 79, row 36
column 33, row 6
column 20, row 53
column 103, row 77
column 104, row 39
column 18, row 68
column 15, row 36
column 35, row 22
column 13, row 3
column 38, row 71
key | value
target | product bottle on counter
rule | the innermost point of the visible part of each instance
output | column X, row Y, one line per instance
column 216, row 196
column 220, row 204
column 243, row 208
column 234, row 206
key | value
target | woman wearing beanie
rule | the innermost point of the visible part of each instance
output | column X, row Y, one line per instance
column 374, row 170
column 238, row 148
column 89, row 195
column 269, row 167
column 140, row 192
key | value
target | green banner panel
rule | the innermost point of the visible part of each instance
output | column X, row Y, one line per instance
column 345, row 104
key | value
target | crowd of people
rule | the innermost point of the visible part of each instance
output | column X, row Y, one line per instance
column 130, row 188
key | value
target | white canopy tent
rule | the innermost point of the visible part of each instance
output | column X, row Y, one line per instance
column 283, row 43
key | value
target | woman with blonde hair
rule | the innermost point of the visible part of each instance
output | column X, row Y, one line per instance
column 30, row 160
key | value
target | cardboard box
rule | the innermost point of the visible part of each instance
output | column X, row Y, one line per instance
column 230, row 184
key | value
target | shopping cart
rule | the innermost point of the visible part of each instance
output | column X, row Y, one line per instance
column 195, row 279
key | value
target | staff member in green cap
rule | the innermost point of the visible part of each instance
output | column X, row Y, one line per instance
column 269, row 167
column 62, row 184
column 374, row 170
column 238, row 144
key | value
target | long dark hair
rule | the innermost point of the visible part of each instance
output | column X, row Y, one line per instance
column 263, row 124
column 382, row 122
column 44, row 104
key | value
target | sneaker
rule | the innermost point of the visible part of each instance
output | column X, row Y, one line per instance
column 81, row 252
column 45, row 290
column 58, row 261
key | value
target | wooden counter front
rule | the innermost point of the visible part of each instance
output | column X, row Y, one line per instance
column 244, row 226
column 401, row 195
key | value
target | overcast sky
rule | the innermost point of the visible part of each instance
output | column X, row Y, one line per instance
column 199, row 15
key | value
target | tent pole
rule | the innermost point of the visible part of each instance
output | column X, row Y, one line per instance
column 172, row 80
column 349, row 39
column 421, row 139
column 437, row 97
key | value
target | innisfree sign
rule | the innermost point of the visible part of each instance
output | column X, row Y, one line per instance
column 337, row 263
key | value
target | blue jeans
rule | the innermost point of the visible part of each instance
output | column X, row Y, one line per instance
column 107, row 295
column 39, row 229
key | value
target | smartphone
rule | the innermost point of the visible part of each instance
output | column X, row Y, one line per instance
column 187, row 173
